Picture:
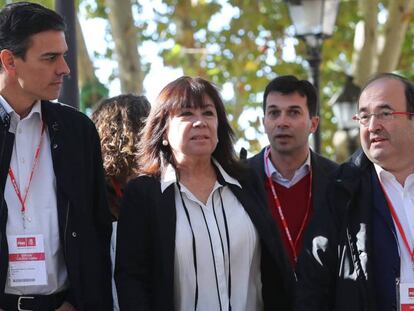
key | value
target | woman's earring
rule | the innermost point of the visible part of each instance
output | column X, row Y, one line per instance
column 165, row 142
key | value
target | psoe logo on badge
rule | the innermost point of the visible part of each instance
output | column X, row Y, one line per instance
column 31, row 241
column 411, row 292
column 21, row 242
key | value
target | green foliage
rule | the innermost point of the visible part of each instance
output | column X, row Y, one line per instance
column 249, row 52
column 406, row 64
column 91, row 93
column 46, row 3
column 96, row 8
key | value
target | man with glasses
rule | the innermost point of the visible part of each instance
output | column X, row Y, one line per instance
column 359, row 251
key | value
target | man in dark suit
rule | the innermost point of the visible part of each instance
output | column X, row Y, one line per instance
column 359, row 254
column 55, row 225
column 294, row 177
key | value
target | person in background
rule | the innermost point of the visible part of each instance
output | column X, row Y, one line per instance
column 55, row 225
column 194, row 232
column 295, row 178
column 119, row 121
column 359, row 255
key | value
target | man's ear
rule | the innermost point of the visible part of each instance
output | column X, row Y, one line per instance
column 7, row 60
column 314, row 123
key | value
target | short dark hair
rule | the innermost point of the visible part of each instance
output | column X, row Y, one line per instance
column 20, row 20
column 408, row 87
column 290, row 84
column 184, row 92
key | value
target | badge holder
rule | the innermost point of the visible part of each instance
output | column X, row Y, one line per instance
column 405, row 296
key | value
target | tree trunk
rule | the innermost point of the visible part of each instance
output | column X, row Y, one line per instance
column 91, row 89
column 365, row 42
column 85, row 66
column 124, row 33
column 399, row 15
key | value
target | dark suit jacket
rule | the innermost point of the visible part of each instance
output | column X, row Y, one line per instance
column 321, row 167
column 355, row 265
column 144, row 270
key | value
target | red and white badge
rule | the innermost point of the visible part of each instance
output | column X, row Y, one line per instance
column 406, row 297
column 27, row 265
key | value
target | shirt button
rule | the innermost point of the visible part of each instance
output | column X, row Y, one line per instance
column 74, row 234
column 19, row 131
column 22, row 160
column 55, row 146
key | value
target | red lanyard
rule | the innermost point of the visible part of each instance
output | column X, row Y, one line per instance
column 13, row 179
column 398, row 223
column 278, row 206
column 117, row 187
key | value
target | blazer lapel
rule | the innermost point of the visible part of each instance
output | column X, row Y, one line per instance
column 64, row 161
column 380, row 204
column 319, row 183
column 259, row 218
column 167, row 218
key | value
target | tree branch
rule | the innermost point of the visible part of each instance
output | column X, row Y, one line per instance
column 365, row 42
column 399, row 15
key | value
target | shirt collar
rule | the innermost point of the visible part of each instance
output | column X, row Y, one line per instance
column 386, row 177
column 14, row 116
column 382, row 174
column 169, row 176
column 275, row 174
column 6, row 105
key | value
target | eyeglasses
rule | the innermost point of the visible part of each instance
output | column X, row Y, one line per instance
column 363, row 118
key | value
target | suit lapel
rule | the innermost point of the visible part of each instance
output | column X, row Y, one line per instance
column 258, row 217
column 319, row 183
column 65, row 160
column 380, row 204
column 167, row 218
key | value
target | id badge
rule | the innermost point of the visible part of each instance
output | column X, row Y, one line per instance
column 406, row 296
column 27, row 265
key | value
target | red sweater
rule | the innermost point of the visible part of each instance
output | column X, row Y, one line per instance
column 294, row 202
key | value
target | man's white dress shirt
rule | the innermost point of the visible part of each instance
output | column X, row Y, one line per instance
column 41, row 215
column 402, row 199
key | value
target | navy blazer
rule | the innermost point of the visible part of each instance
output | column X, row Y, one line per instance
column 384, row 250
column 144, row 271
column 358, row 268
